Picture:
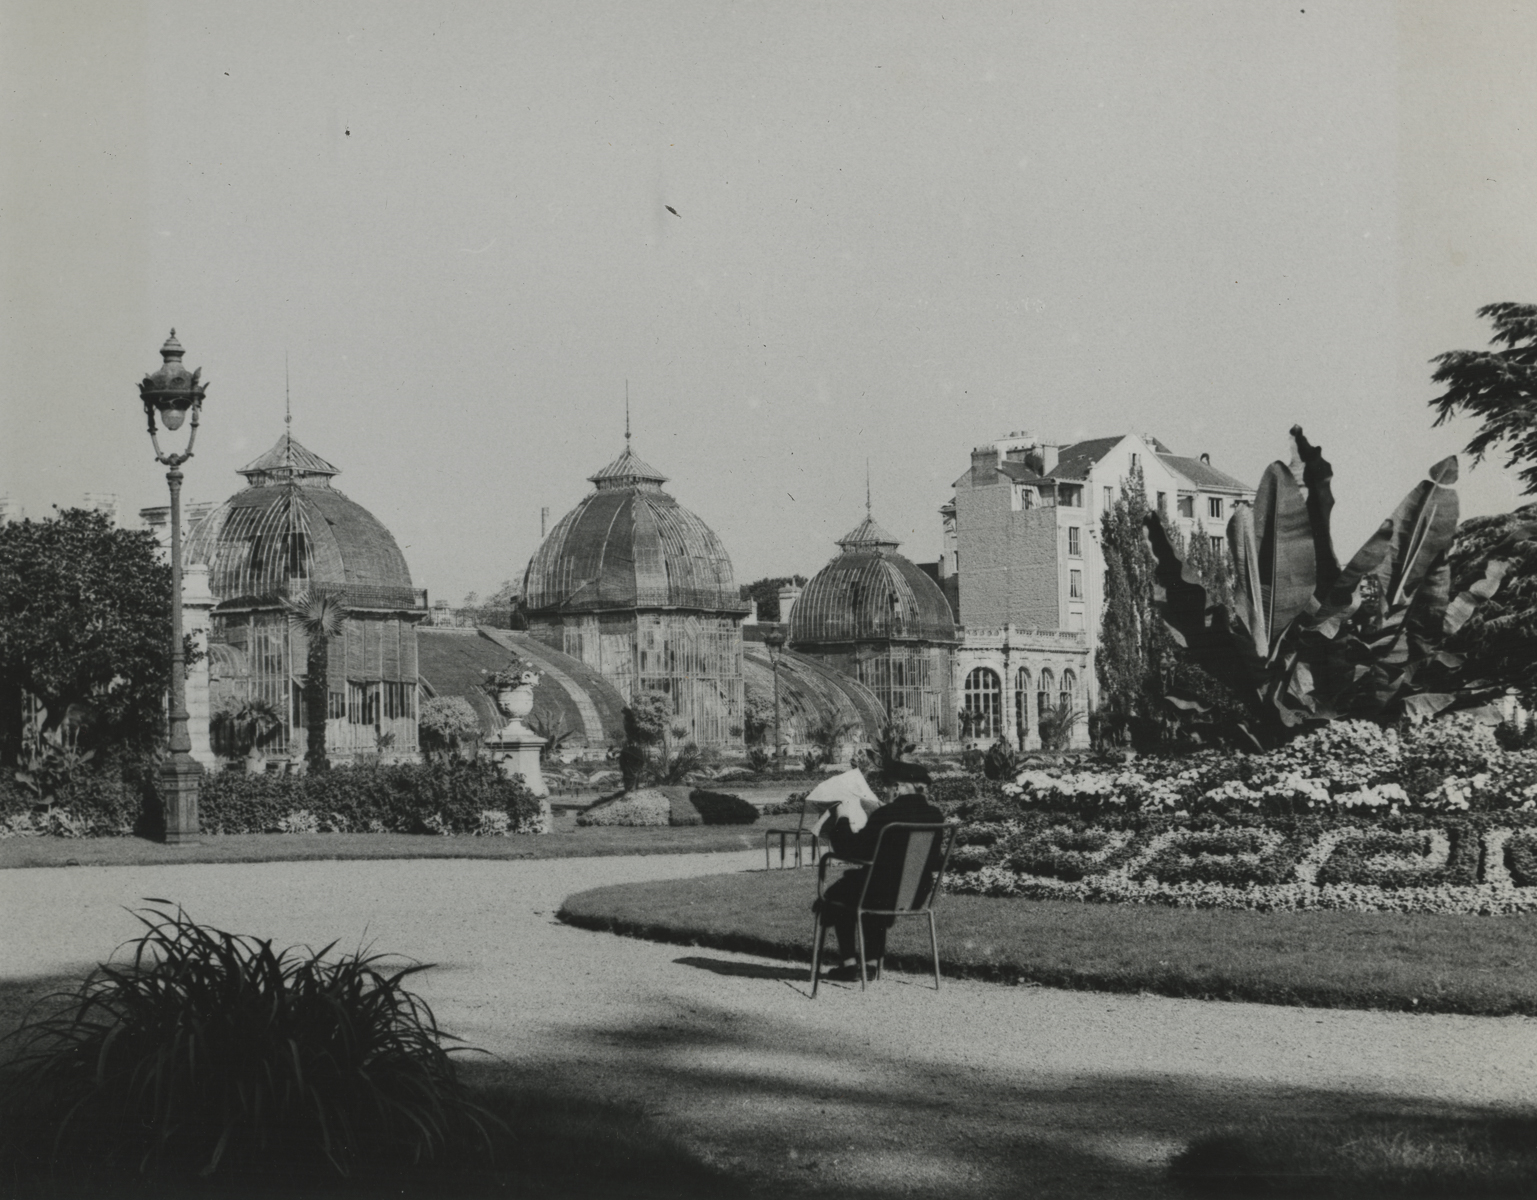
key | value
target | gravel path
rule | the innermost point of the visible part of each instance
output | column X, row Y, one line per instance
column 974, row 1090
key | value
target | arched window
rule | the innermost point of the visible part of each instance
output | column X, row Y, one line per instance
column 983, row 699
column 1043, row 697
column 1069, row 688
column 1021, row 705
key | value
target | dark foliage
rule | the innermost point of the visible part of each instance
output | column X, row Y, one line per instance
column 84, row 621
column 210, row 1054
column 113, row 797
column 446, row 795
column 1499, row 640
column 1499, row 386
column 722, row 808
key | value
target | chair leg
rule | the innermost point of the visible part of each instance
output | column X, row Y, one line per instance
column 818, row 936
column 859, row 940
column 934, row 945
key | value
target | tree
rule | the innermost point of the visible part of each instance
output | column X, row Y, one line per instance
column 1499, row 641
column 766, row 593
column 319, row 616
column 85, row 611
column 1498, row 386
column 1132, row 642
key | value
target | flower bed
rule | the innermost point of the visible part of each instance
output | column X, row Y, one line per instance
column 1441, row 819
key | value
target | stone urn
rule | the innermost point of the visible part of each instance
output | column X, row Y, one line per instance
column 516, row 702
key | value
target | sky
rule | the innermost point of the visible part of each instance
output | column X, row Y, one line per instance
column 803, row 236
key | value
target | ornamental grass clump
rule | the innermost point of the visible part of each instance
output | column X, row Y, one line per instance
column 208, row 1054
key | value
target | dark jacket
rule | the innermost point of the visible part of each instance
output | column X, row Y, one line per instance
column 911, row 808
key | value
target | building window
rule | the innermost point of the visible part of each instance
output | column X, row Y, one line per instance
column 1163, row 504
column 1214, row 507
column 1069, row 688
column 983, row 700
column 1136, row 462
column 362, row 703
column 1187, row 507
column 336, row 706
column 1043, row 699
column 1021, row 705
column 1075, row 541
column 399, row 701
column 1070, row 495
column 1216, row 548
column 1075, row 584
column 1109, row 494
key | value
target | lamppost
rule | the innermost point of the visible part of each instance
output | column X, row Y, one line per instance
column 775, row 641
column 172, row 391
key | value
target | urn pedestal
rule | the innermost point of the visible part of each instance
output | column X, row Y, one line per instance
column 516, row 748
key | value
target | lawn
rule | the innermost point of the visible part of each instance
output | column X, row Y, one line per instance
column 566, row 841
column 1400, row 961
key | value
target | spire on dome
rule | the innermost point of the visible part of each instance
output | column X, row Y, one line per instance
column 288, row 460
column 868, row 535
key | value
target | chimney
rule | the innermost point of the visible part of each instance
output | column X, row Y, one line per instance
column 544, row 522
column 788, row 595
column 1048, row 458
column 984, row 464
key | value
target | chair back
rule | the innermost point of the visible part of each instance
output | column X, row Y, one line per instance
column 908, row 867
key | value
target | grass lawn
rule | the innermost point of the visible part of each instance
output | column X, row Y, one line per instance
column 1382, row 1158
column 1403, row 961
column 566, row 841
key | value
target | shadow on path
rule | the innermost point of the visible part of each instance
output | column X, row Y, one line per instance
column 869, row 1116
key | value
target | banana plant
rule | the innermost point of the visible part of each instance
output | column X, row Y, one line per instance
column 1309, row 641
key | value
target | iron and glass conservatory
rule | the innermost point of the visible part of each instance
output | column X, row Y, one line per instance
column 634, row 584
column 286, row 535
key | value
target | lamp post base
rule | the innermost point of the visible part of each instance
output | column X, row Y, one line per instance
column 179, row 779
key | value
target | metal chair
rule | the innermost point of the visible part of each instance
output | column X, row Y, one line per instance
column 799, row 834
column 902, row 879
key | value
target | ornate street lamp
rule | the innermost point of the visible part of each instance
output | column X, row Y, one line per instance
column 775, row 641
column 171, row 392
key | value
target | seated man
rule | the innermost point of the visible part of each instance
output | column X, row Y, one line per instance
column 852, row 838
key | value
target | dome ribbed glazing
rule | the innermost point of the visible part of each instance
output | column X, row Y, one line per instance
column 870, row 593
column 290, row 531
column 629, row 544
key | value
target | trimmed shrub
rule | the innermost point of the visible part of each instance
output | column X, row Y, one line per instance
column 1385, row 858
column 645, row 807
column 1234, row 857
column 722, row 808
column 442, row 796
column 1521, row 857
column 681, row 810
column 210, row 1054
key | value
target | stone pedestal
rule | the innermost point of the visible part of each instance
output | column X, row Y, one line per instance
column 516, row 750
column 196, row 605
column 178, row 785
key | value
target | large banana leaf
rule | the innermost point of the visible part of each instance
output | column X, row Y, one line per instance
column 1248, row 587
column 1286, row 562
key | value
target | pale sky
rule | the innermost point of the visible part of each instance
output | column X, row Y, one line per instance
column 902, row 230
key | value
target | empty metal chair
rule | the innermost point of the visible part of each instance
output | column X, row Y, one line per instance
column 901, row 879
column 796, row 836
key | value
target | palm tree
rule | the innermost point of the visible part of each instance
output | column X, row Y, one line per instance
column 319, row 616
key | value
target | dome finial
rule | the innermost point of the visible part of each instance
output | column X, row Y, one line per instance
column 867, row 486
column 626, row 414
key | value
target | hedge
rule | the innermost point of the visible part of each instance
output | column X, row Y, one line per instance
column 445, row 796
